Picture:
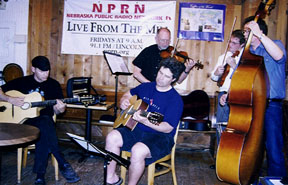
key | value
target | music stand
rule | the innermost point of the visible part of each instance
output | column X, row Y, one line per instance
column 117, row 67
column 108, row 156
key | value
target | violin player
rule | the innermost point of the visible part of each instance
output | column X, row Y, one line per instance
column 146, row 64
column 235, row 46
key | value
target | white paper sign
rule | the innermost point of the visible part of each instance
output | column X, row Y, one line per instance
column 122, row 27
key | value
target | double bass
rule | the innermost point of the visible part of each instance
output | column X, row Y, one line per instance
column 241, row 147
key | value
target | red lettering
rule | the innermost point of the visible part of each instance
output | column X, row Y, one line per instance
column 111, row 7
column 137, row 7
column 97, row 7
column 124, row 8
column 80, row 15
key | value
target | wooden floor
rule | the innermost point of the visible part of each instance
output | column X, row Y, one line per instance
column 192, row 168
column 192, row 165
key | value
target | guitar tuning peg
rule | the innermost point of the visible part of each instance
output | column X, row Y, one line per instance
column 75, row 96
column 86, row 104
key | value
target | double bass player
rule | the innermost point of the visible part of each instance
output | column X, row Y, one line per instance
column 274, row 58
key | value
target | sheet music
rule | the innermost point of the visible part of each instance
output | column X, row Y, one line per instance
column 91, row 148
column 75, row 136
column 82, row 142
column 116, row 63
column 276, row 182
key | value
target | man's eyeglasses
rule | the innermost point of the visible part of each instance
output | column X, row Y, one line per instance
column 234, row 43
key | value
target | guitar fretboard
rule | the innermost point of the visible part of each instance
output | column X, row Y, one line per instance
column 53, row 102
column 143, row 113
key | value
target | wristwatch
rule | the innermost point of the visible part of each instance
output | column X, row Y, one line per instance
column 261, row 36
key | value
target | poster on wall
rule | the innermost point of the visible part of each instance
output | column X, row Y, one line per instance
column 120, row 27
column 199, row 21
column 7, row 46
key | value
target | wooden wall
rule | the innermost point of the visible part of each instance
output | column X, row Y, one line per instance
column 45, row 33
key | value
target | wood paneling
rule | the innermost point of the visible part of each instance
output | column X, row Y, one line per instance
column 45, row 34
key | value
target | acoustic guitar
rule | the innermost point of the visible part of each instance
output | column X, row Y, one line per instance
column 125, row 117
column 32, row 106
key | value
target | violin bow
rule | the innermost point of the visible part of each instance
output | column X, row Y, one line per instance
column 235, row 18
column 174, row 50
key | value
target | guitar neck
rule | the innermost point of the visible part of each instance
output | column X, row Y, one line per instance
column 143, row 113
column 53, row 102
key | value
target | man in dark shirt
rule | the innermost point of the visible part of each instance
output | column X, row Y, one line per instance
column 146, row 64
column 47, row 142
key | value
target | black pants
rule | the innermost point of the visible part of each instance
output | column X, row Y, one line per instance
column 46, row 143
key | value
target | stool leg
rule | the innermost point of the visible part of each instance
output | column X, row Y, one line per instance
column 19, row 164
column 25, row 153
column 151, row 172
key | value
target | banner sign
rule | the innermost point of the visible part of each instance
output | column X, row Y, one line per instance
column 121, row 27
column 198, row 21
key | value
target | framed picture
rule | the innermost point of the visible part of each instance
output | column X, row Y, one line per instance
column 199, row 21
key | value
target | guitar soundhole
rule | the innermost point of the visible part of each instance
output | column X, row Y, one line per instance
column 25, row 106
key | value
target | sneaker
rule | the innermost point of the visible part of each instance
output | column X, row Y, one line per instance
column 40, row 181
column 69, row 174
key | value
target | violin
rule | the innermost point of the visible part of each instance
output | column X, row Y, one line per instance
column 226, row 70
column 180, row 56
